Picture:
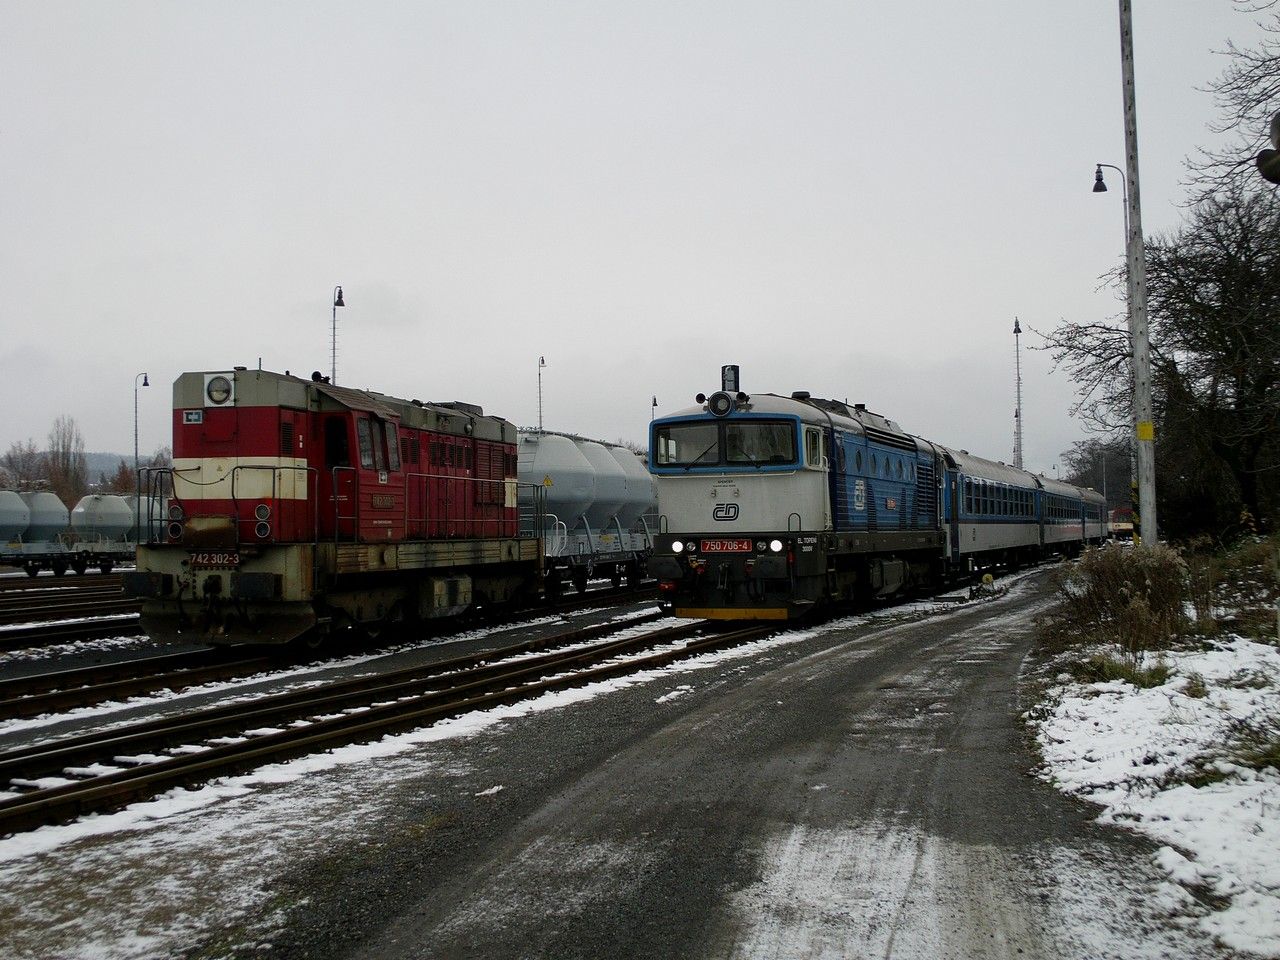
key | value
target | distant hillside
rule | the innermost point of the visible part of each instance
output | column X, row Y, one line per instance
column 108, row 463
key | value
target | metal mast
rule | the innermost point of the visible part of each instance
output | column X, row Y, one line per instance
column 1143, row 422
column 542, row 362
column 1017, row 413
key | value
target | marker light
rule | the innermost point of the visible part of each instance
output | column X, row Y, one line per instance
column 775, row 546
column 677, row 546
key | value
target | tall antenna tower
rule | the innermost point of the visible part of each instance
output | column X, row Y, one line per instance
column 1017, row 413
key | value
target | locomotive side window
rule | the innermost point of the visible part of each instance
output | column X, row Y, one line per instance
column 365, row 439
column 379, row 455
column 857, row 461
column 813, row 448
column 393, row 447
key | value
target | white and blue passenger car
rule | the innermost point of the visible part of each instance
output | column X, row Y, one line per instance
column 770, row 505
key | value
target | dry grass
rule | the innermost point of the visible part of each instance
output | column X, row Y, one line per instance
column 1135, row 598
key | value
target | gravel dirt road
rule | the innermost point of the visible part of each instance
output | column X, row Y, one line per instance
column 861, row 791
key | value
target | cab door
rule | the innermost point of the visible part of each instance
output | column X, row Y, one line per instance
column 380, row 480
column 336, row 481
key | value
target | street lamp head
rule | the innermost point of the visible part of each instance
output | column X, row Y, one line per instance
column 1099, row 186
column 337, row 297
column 145, row 381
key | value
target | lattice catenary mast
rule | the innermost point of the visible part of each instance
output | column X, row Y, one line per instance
column 1017, row 412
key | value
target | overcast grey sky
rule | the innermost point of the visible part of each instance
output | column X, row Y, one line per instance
column 851, row 198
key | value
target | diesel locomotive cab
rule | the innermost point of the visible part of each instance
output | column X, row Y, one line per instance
column 741, row 489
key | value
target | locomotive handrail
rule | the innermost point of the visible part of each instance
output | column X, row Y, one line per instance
column 355, row 499
column 554, row 531
column 154, row 480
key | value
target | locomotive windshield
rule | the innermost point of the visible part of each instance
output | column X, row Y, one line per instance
column 736, row 443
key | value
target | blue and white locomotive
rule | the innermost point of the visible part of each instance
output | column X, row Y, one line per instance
column 771, row 505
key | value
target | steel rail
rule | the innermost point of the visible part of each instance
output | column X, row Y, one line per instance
column 448, row 692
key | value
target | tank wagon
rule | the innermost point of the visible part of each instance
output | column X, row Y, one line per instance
column 772, row 505
column 599, row 504
column 37, row 532
column 300, row 507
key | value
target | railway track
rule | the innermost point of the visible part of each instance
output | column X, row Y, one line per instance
column 38, row 694
column 50, row 783
column 90, row 581
column 90, row 605
column 42, row 635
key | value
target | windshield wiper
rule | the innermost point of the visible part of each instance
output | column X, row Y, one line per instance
column 694, row 462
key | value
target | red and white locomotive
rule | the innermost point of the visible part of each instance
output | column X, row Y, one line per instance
column 298, row 507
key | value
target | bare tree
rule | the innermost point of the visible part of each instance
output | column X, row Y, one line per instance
column 1214, row 294
column 25, row 466
column 1247, row 95
column 1103, row 465
column 68, row 466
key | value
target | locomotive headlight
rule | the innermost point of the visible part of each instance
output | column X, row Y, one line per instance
column 775, row 546
column 677, row 546
column 218, row 389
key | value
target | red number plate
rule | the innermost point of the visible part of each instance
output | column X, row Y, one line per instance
column 215, row 558
column 726, row 546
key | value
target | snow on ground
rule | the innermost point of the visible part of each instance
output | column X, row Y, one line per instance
column 152, row 878
column 1134, row 752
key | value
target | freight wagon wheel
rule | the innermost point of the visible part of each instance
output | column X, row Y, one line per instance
column 33, row 570
column 580, row 580
column 80, row 566
column 616, row 576
column 105, row 566
column 58, row 567
column 551, row 584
